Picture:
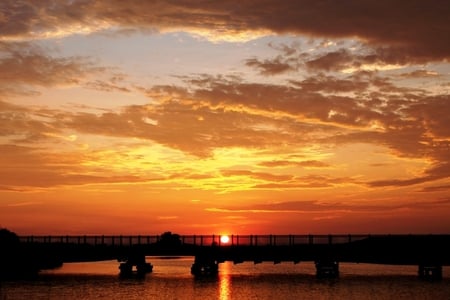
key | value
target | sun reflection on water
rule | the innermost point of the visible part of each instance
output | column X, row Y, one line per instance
column 225, row 281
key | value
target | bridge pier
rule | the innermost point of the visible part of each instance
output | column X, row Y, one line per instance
column 135, row 261
column 433, row 272
column 204, row 266
column 327, row 268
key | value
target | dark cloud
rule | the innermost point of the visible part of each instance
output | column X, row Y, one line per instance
column 343, row 59
column 331, row 84
column 270, row 67
column 332, row 61
column 404, row 28
column 433, row 113
column 350, row 59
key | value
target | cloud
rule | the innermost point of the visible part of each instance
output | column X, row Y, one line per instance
column 218, row 112
column 22, row 124
column 190, row 127
column 257, row 175
column 414, row 28
column 427, row 132
column 436, row 188
column 344, row 57
column 167, row 217
column 331, row 84
column 209, row 112
column 270, row 67
column 305, row 101
column 25, row 66
column 24, row 167
column 409, row 121
column 400, row 182
column 317, row 207
column 362, row 58
column 420, row 74
column 21, row 204
column 331, row 61
column 103, row 86
column 289, row 163
column 308, row 182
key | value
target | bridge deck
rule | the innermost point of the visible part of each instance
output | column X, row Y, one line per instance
column 429, row 252
column 208, row 240
column 392, row 249
column 197, row 240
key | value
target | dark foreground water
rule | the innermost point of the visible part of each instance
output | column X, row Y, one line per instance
column 171, row 279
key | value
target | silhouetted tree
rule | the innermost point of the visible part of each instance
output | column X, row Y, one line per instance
column 8, row 239
column 170, row 239
column 10, row 254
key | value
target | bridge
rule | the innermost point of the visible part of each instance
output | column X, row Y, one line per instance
column 428, row 252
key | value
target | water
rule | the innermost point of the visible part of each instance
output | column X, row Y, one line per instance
column 171, row 279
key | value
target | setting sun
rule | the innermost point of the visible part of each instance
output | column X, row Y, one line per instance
column 224, row 239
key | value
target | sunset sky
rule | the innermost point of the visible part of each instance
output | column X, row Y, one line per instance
column 237, row 117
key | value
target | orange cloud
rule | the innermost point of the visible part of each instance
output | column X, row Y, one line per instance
column 25, row 167
column 26, row 67
column 308, row 207
column 286, row 163
column 257, row 175
column 216, row 113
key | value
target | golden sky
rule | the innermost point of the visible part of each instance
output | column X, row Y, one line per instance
column 237, row 117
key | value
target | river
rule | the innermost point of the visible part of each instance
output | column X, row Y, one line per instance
column 171, row 279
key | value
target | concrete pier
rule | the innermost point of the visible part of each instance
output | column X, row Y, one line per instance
column 432, row 272
column 134, row 264
column 205, row 266
column 327, row 268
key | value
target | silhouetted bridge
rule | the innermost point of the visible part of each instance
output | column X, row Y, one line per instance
column 428, row 252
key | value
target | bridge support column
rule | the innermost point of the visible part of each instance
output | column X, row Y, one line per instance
column 204, row 266
column 327, row 268
column 433, row 272
column 135, row 261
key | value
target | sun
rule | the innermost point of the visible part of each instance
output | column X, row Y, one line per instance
column 224, row 239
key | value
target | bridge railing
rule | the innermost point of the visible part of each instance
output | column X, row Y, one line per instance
column 196, row 240
column 112, row 240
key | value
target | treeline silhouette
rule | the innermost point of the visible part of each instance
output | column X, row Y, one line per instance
column 15, row 262
column 20, row 261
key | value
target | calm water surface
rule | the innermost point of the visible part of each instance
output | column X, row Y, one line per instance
column 171, row 279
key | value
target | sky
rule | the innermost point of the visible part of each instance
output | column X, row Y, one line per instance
column 224, row 117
